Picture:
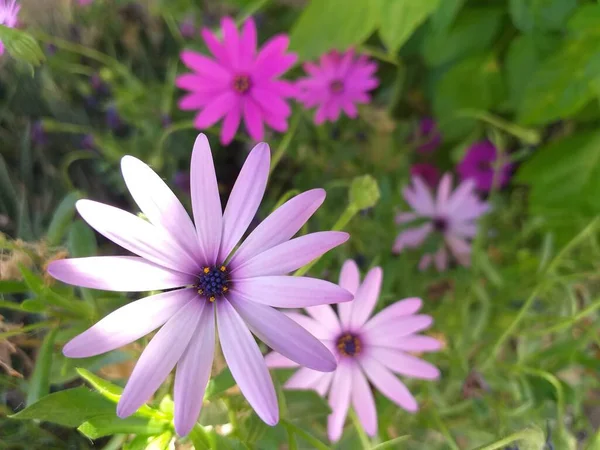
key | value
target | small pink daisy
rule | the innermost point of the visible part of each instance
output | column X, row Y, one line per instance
column 366, row 350
column 209, row 280
column 240, row 83
column 453, row 215
column 9, row 9
column 337, row 84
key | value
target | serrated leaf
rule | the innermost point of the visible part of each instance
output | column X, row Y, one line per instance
column 400, row 18
column 21, row 45
column 333, row 24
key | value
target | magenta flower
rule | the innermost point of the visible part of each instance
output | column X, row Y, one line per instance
column 9, row 9
column 427, row 137
column 479, row 164
column 428, row 172
column 340, row 82
column 239, row 83
column 366, row 349
column 85, row 2
column 452, row 215
column 206, row 279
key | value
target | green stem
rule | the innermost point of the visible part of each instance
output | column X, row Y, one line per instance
column 364, row 439
column 560, row 398
column 526, row 135
column 379, row 54
column 309, row 438
column 569, row 322
column 26, row 329
column 444, row 430
column 285, row 142
column 507, row 440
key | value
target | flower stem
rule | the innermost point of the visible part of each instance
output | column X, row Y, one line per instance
column 364, row 439
column 526, row 135
column 285, row 142
column 309, row 438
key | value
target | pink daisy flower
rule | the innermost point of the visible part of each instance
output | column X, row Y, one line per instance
column 207, row 281
column 340, row 82
column 366, row 350
column 9, row 9
column 240, row 83
column 453, row 215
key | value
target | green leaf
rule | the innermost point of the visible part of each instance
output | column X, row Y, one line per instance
column 33, row 281
column 101, row 426
column 33, row 305
column 219, row 384
column 306, row 405
column 81, row 240
column 199, row 438
column 594, row 443
column 333, row 24
column 391, row 444
column 473, row 32
column 528, row 439
column 400, row 18
column 12, row 287
column 21, row 45
column 445, row 14
column 548, row 15
column 62, row 218
column 39, row 383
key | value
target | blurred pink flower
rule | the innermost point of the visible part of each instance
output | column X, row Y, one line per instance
column 453, row 215
column 478, row 164
column 9, row 9
column 338, row 83
column 427, row 137
column 85, row 2
column 207, row 280
column 366, row 350
column 428, row 172
column 239, row 82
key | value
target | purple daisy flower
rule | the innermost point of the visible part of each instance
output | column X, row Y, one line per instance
column 210, row 285
column 366, row 350
column 9, row 10
column 453, row 215
column 479, row 164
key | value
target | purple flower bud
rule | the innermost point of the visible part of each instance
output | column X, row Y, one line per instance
column 113, row 121
column 187, row 28
column 427, row 137
column 87, row 142
column 428, row 172
column 479, row 164
column 51, row 49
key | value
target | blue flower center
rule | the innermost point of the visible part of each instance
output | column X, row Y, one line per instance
column 213, row 282
column 349, row 344
column 241, row 83
column 337, row 86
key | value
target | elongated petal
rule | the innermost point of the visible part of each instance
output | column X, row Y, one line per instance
column 443, row 193
column 315, row 328
column 215, row 109
column 325, row 316
column 339, row 399
column 193, row 372
column 441, row 259
column 366, row 297
column 349, row 280
column 363, row 402
column 290, row 292
column 215, row 47
column 290, row 255
column 464, row 192
column 384, row 335
column 205, row 200
column 284, row 335
column 117, row 273
column 304, row 379
column 253, row 119
column 248, row 44
column 460, row 249
column 159, row 358
column 419, row 197
column 280, row 226
column 412, row 237
column 136, row 235
column 277, row 361
column 128, row 324
column 404, row 364
column 272, row 60
column 417, row 344
column 393, row 312
column 231, row 123
column 246, row 363
column 231, row 41
column 389, row 385
column 159, row 203
column 205, row 66
column 322, row 385
column 245, row 198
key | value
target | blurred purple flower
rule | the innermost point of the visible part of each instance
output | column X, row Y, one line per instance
column 88, row 142
column 453, row 215
column 38, row 135
column 181, row 179
column 85, row 2
column 187, row 28
column 336, row 84
column 51, row 49
column 207, row 280
column 113, row 121
column 99, row 86
column 239, row 82
column 427, row 137
column 9, row 9
column 428, row 172
column 479, row 164
column 366, row 350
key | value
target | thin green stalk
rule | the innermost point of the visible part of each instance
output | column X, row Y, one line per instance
column 444, row 430
column 560, row 398
column 523, row 434
column 364, row 439
column 26, row 329
column 309, row 438
column 285, row 142
column 568, row 322
column 526, row 135
column 379, row 54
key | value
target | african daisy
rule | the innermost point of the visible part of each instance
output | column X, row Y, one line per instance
column 366, row 350
column 240, row 83
column 9, row 9
column 206, row 279
column 338, row 83
column 451, row 215
column 479, row 164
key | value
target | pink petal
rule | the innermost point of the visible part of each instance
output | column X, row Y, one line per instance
column 245, row 198
column 290, row 255
column 201, row 84
column 420, row 198
column 215, row 47
column 394, row 312
column 290, row 292
column 350, row 109
column 464, row 229
column 206, row 203
column 425, row 262
column 322, row 385
column 363, row 402
column 128, row 324
column 117, row 273
column 349, row 280
column 272, row 60
column 159, row 204
column 443, row 193
column 231, row 123
column 276, row 361
column 325, row 316
column 248, row 44
column 464, row 191
column 215, row 110
column 441, row 259
column 246, row 363
column 277, row 123
column 279, row 226
column 412, row 237
column 317, row 329
column 321, row 114
column 159, row 358
column 231, row 41
column 193, row 372
column 339, row 399
column 404, row 364
column 284, row 335
column 253, row 119
column 388, row 332
column 270, row 102
column 196, row 100
column 406, row 217
column 460, row 249
column 366, row 297
column 136, row 235
column 205, row 66
column 304, row 379
column 417, row 344
column 388, row 384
